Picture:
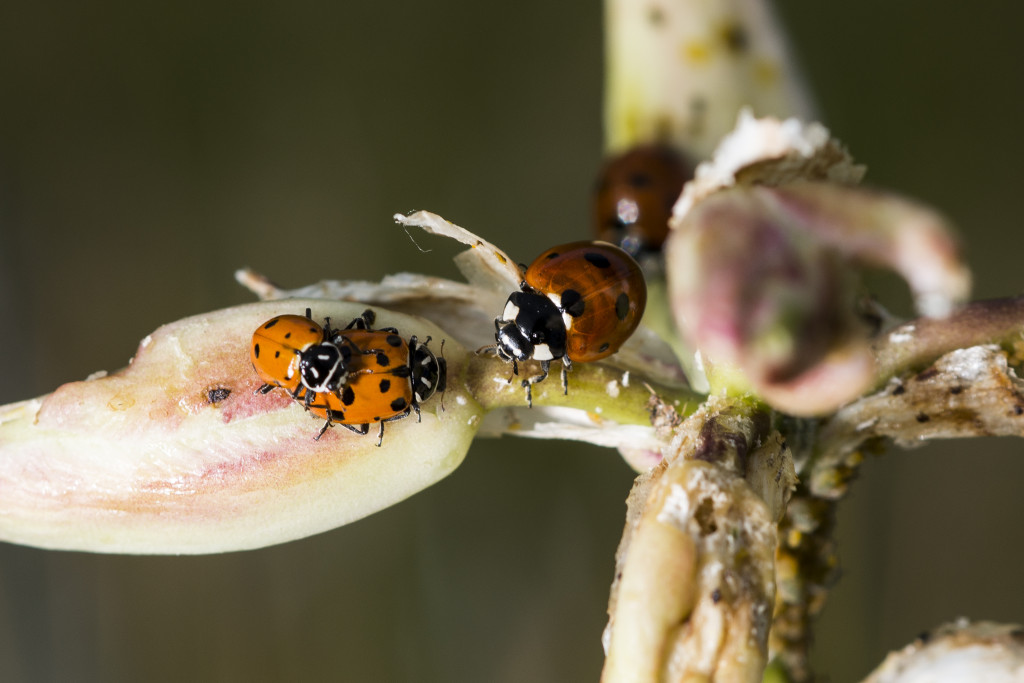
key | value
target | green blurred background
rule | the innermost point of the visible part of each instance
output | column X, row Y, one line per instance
column 147, row 150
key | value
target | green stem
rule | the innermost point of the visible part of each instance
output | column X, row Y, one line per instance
column 601, row 390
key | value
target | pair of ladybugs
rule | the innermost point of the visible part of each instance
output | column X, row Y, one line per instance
column 353, row 377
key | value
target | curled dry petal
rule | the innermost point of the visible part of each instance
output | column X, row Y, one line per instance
column 769, row 151
column 464, row 311
column 177, row 454
column 485, row 265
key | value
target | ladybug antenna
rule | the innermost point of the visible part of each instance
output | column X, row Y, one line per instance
column 490, row 348
column 309, row 313
column 422, row 250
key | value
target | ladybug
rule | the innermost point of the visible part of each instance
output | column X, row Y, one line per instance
column 296, row 354
column 634, row 196
column 577, row 302
column 390, row 379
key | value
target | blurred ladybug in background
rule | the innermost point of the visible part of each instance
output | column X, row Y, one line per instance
column 577, row 302
column 385, row 385
column 634, row 196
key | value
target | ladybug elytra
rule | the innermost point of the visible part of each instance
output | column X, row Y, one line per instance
column 634, row 196
column 392, row 383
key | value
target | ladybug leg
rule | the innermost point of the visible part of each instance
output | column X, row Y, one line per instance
column 515, row 371
column 327, row 424
column 404, row 414
column 528, row 383
column 307, row 401
column 363, row 322
column 566, row 366
column 329, row 331
column 361, row 430
column 265, row 389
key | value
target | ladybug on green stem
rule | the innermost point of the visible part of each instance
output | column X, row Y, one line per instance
column 578, row 302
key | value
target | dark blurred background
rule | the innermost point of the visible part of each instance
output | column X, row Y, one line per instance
column 147, row 151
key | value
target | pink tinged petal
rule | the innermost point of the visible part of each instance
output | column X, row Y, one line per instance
column 751, row 288
column 177, row 454
column 765, row 279
column 884, row 230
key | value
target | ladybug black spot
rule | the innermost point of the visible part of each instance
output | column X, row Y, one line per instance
column 383, row 360
column 604, row 347
column 640, row 180
column 277, row 354
column 256, row 350
column 399, row 404
column 385, row 386
column 348, row 396
column 598, row 260
column 552, row 255
column 271, row 323
column 572, row 303
column 288, row 335
column 622, row 306
column 394, row 340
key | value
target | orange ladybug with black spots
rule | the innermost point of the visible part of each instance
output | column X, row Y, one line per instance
column 578, row 302
column 385, row 385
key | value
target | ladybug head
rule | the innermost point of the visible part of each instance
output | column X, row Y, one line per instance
column 324, row 367
column 512, row 344
column 429, row 374
column 531, row 327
